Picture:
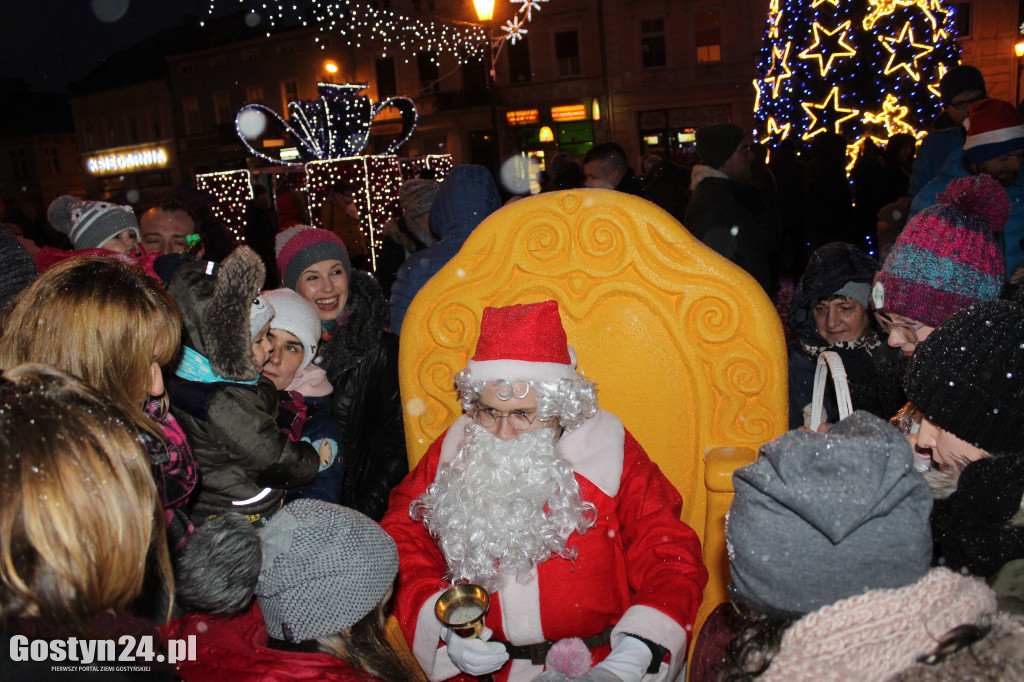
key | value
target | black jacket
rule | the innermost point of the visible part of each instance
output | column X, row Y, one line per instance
column 361, row 361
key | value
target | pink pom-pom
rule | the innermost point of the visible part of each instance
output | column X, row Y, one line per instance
column 981, row 195
column 570, row 657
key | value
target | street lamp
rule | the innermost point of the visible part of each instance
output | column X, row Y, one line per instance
column 485, row 15
column 331, row 67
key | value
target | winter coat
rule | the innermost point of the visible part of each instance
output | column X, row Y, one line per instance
column 630, row 184
column 978, row 524
column 1010, row 236
column 467, row 196
column 361, row 361
column 722, row 213
column 235, row 650
column 309, row 418
column 931, row 156
column 241, row 452
column 874, row 370
column 175, row 471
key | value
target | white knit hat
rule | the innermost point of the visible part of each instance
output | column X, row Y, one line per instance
column 296, row 315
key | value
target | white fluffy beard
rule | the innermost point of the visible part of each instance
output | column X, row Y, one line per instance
column 500, row 507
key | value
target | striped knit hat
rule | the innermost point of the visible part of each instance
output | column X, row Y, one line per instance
column 89, row 224
column 993, row 128
column 947, row 257
column 302, row 246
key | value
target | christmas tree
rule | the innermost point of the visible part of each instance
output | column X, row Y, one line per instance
column 862, row 68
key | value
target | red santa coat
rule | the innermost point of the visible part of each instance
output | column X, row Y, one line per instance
column 639, row 568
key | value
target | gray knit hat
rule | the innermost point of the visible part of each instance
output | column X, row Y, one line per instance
column 417, row 196
column 260, row 312
column 717, row 142
column 823, row 517
column 324, row 568
column 88, row 224
column 301, row 246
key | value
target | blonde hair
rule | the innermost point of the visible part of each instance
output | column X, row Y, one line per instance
column 80, row 517
column 103, row 321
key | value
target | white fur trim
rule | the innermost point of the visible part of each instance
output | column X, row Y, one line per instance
column 452, row 442
column 434, row 660
column 994, row 136
column 520, row 610
column 595, row 451
column 653, row 625
column 522, row 670
column 519, row 370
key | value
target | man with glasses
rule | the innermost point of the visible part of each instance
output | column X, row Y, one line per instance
column 550, row 504
column 959, row 88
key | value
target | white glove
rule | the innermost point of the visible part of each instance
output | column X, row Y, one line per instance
column 476, row 656
column 628, row 660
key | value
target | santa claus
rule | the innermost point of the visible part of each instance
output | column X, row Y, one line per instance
column 549, row 503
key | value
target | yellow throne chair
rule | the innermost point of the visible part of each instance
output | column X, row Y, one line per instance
column 685, row 347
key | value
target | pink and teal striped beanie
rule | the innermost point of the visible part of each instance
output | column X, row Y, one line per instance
column 947, row 257
column 302, row 246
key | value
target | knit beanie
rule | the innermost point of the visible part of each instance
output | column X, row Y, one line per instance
column 297, row 316
column 301, row 246
column 88, row 224
column 947, row 257
column 717, row 142
column 17, row 269
column 994, row 128
column 967, row 377
column 324, row 568
column 260, row 313
column 823, row 517
column 416, row 196
column 959, row 79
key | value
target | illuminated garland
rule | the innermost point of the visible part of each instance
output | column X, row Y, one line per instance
column 862, row 68
column 232, row 192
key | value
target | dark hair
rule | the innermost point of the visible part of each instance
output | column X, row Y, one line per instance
column 364, row 647
column 756, row 642
column 607, row 151
column 171, row 206
column 956, row 639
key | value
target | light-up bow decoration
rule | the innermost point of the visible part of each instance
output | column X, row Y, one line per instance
column 334, row 126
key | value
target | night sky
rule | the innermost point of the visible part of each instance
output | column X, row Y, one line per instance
column 49, row 43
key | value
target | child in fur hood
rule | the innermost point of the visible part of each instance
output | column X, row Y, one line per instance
column 225, row 406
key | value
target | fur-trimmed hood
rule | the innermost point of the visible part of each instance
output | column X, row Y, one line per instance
column 360, row 330
column 215, row 300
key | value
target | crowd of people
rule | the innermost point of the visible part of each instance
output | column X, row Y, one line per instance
column 204, row 442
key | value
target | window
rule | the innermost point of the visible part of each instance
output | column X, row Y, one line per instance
column 193, row 123
column 707, row 37
column 154, row 123
column 426, row 63
column 19, row 163
column 222, row 107
column 567, row 52
column 652, row 42
column 185, row 68
column 387, row 84
column 254, row 94
column 90, row 135
column 217, row 60
column 962, row 18
column 52, row 160
column 132, row 119
column 474, row 74
column 285, row 49
column 289, row 93
column 250, row 55
column 519, row 61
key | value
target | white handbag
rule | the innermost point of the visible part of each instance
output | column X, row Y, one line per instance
column 829, row 361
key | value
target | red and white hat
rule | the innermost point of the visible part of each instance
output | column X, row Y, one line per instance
column 994, row 128
column 524, row 342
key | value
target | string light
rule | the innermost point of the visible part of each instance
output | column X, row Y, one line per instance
column 849, row 58
column 232, row 192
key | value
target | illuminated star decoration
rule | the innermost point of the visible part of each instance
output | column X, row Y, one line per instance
column 815, row 3
column 824, row 113
column 891, row 117
column 774, row 19
column 774, row 129
column 530, row 6
column 883, row 8
column 835, row 46
column 894, row 45
column 933, row 87
column 779, row 60
column 757, row 94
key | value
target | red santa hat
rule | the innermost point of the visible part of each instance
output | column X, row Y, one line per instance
column 994, row 128
column 524, row 342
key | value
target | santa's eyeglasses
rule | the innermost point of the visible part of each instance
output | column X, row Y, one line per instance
column 488, row 417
